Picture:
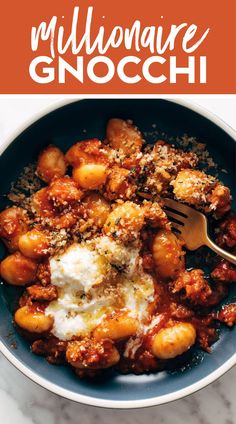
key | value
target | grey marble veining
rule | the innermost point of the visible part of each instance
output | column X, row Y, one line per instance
column 24, row 402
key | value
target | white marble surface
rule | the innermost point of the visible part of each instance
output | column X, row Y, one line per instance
column 23, row 402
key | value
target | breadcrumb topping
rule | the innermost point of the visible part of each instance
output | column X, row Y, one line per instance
column 112, row 274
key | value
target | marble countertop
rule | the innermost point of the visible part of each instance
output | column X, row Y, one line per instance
column 23, row 402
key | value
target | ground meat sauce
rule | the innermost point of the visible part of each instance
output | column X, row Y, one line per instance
column 115, row 196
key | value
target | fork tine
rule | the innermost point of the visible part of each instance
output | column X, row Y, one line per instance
column 176, row 227
column 179, row 219
column 177, row 206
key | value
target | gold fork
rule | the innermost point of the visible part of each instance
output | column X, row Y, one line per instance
column 192, row 226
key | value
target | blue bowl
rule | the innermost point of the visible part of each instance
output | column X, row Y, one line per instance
column 63, row 127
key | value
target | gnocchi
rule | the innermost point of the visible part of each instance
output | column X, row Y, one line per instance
column 124, row 222
column 33, row 321
column 186, row 182
column 41, row 204
column 124, row 136
column 91, row 354
column 167, row 254
column 90, row 176
column 34, row 244
column 117, row 327
column 18, row 270
column 173, row 341
column 13, row 223
column 103, row 276
column 119, row 184
column 51, row 164
column 96, row 208
column 88, row 151
column 64, row 192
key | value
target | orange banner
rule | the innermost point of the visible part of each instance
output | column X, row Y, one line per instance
column 123, row 47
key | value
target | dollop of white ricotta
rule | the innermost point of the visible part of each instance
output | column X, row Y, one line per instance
column 78, row 267
column 90, row 277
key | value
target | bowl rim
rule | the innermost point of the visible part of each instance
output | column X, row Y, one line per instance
column 89, row 400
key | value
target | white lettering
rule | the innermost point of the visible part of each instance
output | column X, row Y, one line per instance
column 146, row 71
column 189, row 70
column 64, row 66
column 110, row 69
column 44, row 33
column 49, row 72
column 203, row 70
column 121, row 72
column 189, row 34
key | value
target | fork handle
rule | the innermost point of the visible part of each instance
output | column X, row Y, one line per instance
column 221, row 252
